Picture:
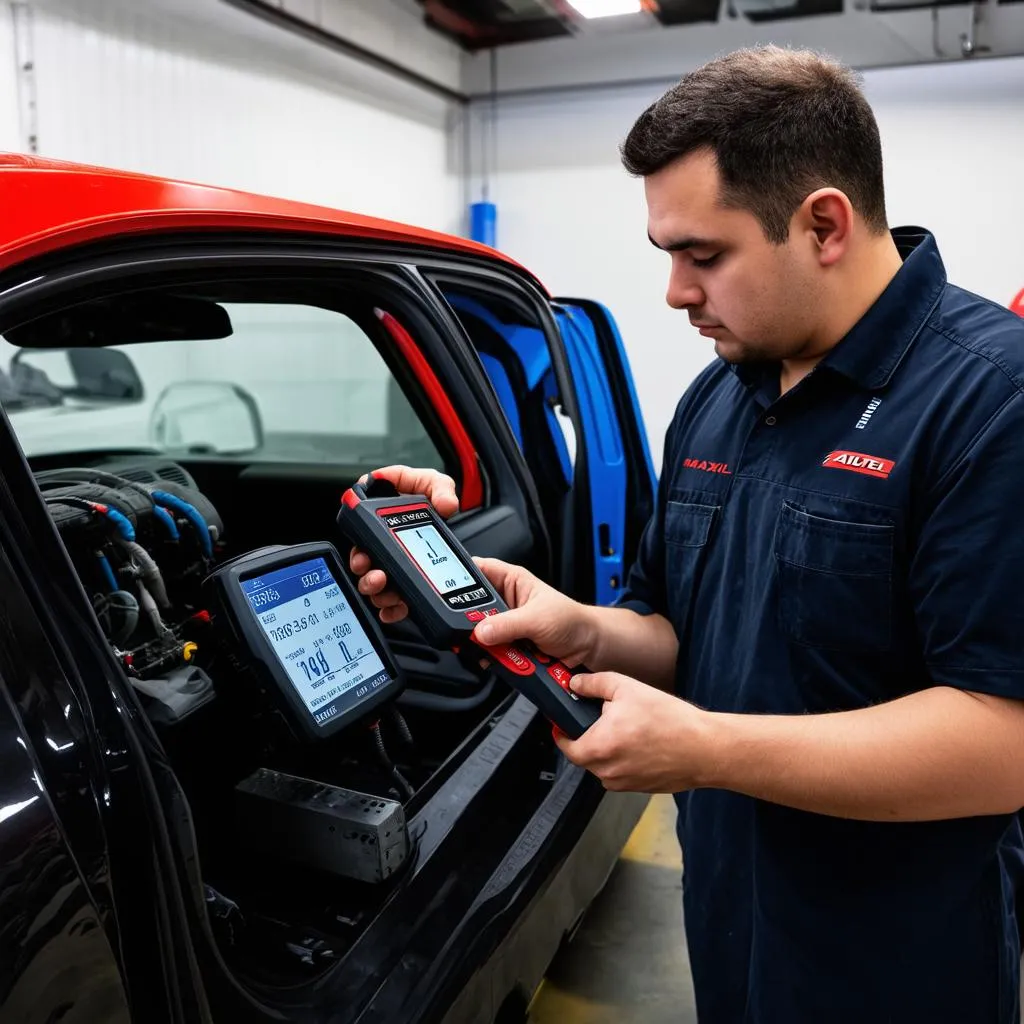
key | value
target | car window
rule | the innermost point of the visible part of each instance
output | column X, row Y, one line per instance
column 291, row 382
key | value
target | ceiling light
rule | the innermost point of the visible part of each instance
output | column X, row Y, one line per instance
column 606, row 8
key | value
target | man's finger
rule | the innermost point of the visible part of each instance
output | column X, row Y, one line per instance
column 565, row 745
column 438, row 487
column 498, row 572
column 359, row 562
column 373, row 582
column 393, row 614
column 602, row 685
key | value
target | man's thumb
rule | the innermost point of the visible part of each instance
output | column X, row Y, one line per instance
column 601, row 685
column 503, row 628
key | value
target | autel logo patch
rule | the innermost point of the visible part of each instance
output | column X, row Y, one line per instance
column 869, row 465
column 707, row 467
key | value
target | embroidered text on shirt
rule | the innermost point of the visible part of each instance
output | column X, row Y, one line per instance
column 867, row 413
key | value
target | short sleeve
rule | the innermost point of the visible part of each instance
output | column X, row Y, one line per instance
column 967, row 572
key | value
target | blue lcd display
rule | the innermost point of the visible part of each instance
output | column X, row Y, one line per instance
column 317, row 638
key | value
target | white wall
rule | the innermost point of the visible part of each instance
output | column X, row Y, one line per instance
column 953, row 140
column 150, row 86
column 197, row 90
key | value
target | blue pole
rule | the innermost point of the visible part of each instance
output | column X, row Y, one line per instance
column 483, row 222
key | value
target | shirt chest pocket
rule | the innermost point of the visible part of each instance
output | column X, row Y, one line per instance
column 687, row 529
column 835, row 581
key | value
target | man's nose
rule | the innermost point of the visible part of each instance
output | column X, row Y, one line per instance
column 683, row 292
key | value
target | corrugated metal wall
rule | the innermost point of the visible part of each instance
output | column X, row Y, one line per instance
column 140, row 89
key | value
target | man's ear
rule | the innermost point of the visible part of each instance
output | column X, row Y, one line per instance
column 825, row 217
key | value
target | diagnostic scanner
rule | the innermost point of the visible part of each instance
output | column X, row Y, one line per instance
column 447, row 595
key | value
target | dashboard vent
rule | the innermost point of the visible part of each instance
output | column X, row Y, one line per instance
column 151, row 472
column 139, row 474
column 172, row 471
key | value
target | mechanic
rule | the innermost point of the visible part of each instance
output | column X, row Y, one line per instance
column 820, row 648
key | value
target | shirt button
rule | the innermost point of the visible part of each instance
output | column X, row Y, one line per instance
column 770, row 421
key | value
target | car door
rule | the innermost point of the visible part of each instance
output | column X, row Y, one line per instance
column 87, row 932
column 582, row 433
column 620, row 474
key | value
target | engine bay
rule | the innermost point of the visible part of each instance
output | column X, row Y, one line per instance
column 304, row 734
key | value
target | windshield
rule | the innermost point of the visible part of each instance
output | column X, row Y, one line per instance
column 291, row 382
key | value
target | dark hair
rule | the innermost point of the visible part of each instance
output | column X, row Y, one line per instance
column 781, row 123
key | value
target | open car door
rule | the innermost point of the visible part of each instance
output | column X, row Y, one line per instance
column 619, row 473
column 568, row 396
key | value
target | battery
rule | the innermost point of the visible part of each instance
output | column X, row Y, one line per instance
column 311, row 824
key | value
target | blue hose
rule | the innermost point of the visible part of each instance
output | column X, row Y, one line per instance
column 191, row 513
column 167, row 519
column 121, row 522
column 108, row 573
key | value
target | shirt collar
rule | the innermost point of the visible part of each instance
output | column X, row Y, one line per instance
column 874, row 346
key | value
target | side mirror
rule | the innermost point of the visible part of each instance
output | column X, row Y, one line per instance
column 105, row 373
column 206, row 416
column 99, row 374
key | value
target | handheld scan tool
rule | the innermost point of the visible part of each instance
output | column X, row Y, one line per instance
column 447, row 594
column 292, row 614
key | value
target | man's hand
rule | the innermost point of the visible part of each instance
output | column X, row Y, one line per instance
column 557, row 624
column 646, row 740
column 609, row 638
column 440, row 490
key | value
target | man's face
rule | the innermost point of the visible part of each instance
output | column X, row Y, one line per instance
column 755, row 299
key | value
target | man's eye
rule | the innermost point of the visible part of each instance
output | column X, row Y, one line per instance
column 706, row 263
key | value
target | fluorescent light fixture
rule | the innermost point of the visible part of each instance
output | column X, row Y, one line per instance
column 606, row 8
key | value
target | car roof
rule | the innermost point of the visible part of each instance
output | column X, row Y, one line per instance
column 53, row 204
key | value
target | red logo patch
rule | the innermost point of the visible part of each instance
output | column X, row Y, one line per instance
column 856, row 462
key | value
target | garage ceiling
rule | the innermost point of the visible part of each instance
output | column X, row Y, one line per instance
column 462, row 50
column 482, row 24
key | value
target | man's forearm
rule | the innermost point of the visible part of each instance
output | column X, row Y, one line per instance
column 939, row 753
column 642, row 646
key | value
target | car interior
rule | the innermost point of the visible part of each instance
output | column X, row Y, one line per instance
column 173, row 431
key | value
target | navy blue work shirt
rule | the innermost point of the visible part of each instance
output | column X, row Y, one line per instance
column 855, row 540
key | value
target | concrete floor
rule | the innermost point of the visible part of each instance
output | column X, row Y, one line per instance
column 627, row 962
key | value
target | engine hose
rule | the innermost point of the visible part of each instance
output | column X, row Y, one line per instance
column 150, row 572
column 192, row 514
column 76, row 475
column 150, row 608
column 108, row 573
column 121, row 523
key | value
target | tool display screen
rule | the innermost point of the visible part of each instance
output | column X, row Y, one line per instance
column 316, row 637
column 432, row 554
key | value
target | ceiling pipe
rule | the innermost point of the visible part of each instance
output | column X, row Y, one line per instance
column 282, row 19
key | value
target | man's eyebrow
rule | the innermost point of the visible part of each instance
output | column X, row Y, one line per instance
column 682, row 244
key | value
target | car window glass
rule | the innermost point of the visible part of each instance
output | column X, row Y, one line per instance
column 292, row 382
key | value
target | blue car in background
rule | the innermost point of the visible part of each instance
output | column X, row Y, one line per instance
column 189, row 375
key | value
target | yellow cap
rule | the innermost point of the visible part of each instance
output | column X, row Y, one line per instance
column 189, row 650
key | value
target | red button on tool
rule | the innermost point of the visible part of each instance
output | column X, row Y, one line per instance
column 560, row 674
column 512, row 658
column 475, row 616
